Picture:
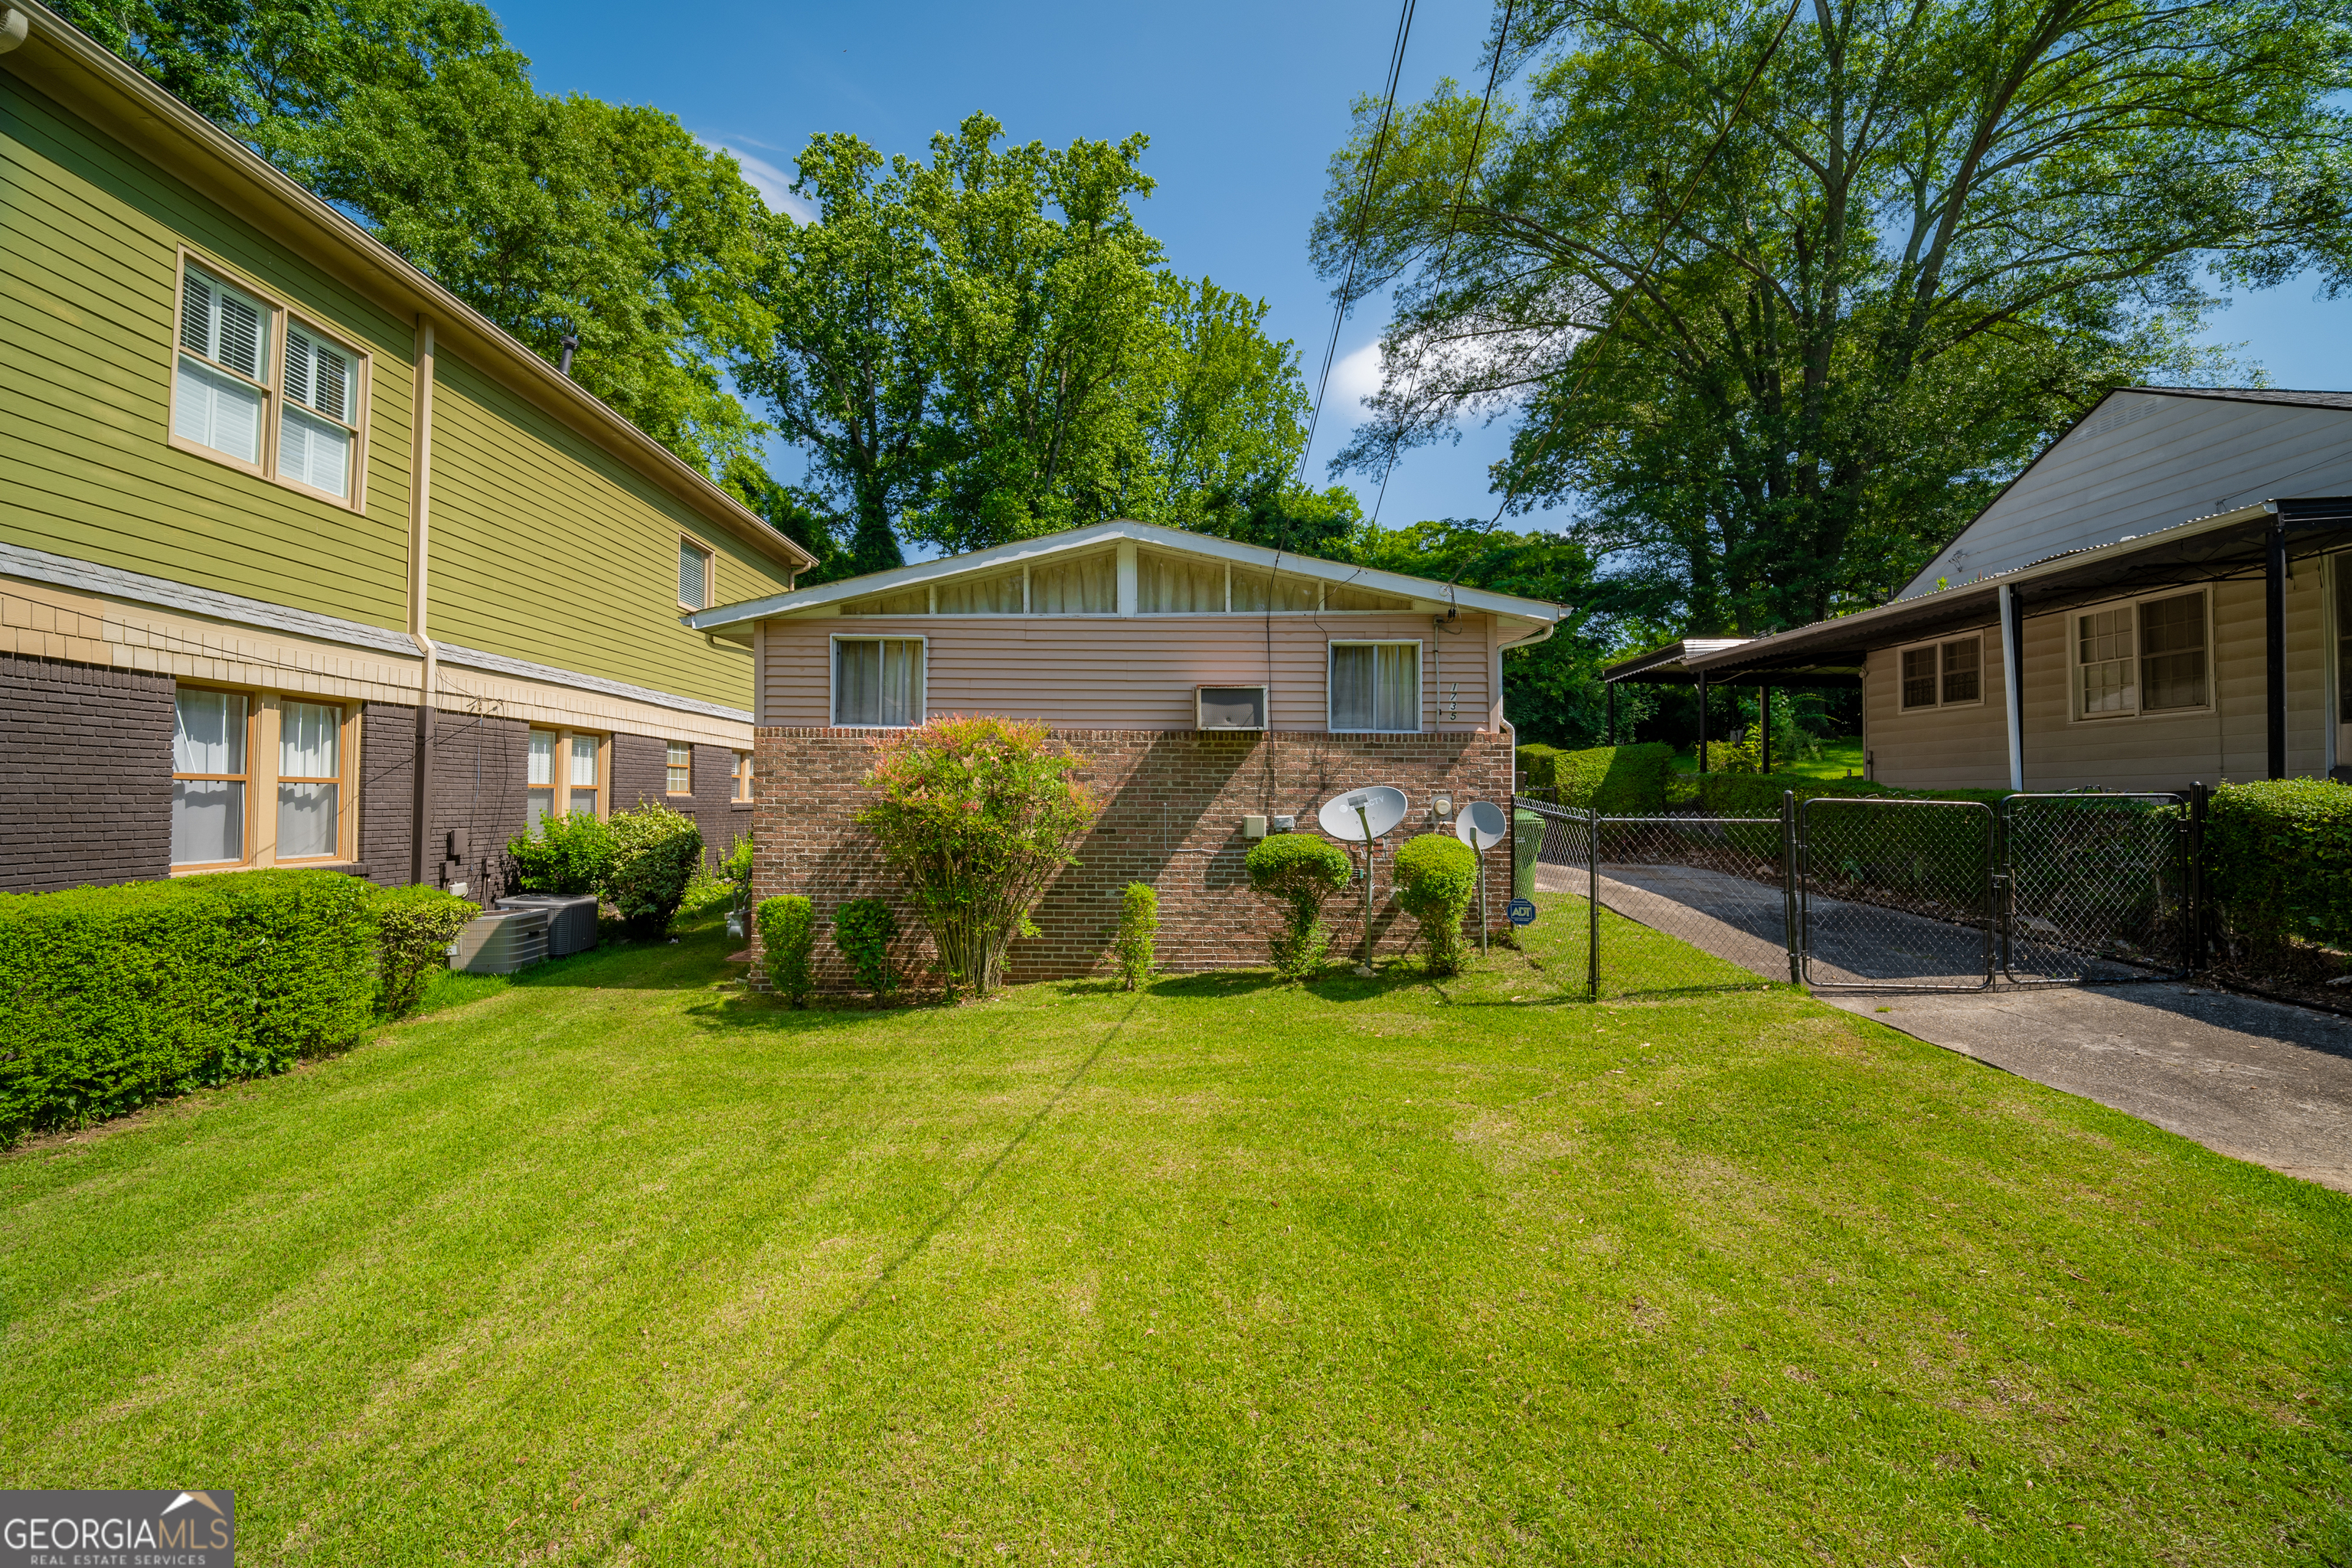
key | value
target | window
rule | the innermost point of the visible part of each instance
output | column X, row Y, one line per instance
column 219, row 398
column 538, row 788
column 2344, row 644
column 309, row 781
column 208, row 777
column 1339, row 597
column 681, row 769
column 2143, row 657
column 693, row 575
column 877, row 682
column 1178, row 584
column 1943, row 674
column 1086, row 587
column 1257, row 590
column 582, row 795
column 743, row 790
column 996, row 595
column 1375, row 686
column 234, row 352
column 564, row 773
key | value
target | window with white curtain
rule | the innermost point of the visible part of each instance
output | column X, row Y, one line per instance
column 996, row 595
column 585, row 782
column 1258, row 591
column 538, row 785
column 310, row 780
column 877, row 682
column 1178, row 584
column 1375, row 686
column 220, row 398
column 319, row 432
column 208, row 777
column 1086, row 587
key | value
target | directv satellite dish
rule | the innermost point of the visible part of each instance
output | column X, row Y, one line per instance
column 1350, row 814
column 1481, row 825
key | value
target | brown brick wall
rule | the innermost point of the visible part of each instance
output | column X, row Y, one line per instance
column 85, row 774
column 1171, row 804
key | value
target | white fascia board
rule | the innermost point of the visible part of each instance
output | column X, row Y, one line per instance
column 923, row 573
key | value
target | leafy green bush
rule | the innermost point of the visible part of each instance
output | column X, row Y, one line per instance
column 2279, row 862
column 863, row 930
column 1759, row 794
column 1135, row 947
column 1621, row 780
column 788, row 935
column 1300, row 871
column 414, row 927
column 111, row 998
column 1436, row 878
column 977, row 813
column 655, row 852
column 572, row 853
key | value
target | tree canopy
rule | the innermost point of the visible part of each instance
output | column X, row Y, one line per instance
column 1776, row 297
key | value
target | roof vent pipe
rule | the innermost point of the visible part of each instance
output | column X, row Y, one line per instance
column 570, row 342
column 14, row 26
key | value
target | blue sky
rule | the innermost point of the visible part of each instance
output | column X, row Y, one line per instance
column 1243, row 104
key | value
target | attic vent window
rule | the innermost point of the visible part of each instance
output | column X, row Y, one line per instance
column 2120, row 411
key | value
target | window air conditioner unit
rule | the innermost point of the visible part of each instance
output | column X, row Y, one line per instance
column 1229, row 707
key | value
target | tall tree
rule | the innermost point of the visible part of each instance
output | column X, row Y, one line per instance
column 1776, row 293
column 552, row 216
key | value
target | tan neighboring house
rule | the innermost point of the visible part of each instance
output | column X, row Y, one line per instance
column 2164, row 597
column 1215, row 689
column 302, row 561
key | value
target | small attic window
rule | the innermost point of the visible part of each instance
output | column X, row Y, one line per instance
column 1257, row 590
column 912, row 601
column 1338, row 597
column 1178, row 584
column 1087, row 585
column 999, row 594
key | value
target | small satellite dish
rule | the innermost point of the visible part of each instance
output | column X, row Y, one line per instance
column 1481, row 825
column 1347, row 814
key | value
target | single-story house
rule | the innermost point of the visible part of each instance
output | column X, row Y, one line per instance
column 1206, row 683
column 2164, row 595
column 303, row 562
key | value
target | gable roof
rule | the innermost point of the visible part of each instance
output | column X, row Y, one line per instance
column 1176, row 539
column 66, row 65
column 2149, row 457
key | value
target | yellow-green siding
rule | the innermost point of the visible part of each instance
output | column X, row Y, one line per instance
column 88, row 240
column 546, row 548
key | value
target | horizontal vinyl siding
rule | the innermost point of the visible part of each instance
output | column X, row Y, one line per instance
column 1121, row 674
column 2188, row 458
column 546, row 548
column 2156, row 753
column 88, row 238
column 1937, row 748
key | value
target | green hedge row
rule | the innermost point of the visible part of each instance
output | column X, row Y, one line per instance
column 1622, row 781
column 1759, row 794
column 111, row 998
column 2279, row 860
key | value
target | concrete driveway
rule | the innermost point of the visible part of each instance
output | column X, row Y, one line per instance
column 2256, row 1080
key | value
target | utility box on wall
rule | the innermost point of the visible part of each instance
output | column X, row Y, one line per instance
column 1229, row 707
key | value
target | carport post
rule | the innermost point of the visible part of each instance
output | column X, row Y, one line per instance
column 1763, row 729
column 1789, row 885
column 2275, row 641
column 2012, row 671
column 1611, row 687
column 1702, row 721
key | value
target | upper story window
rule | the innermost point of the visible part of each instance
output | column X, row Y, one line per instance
column 1948, row 674
column 693, row 575
column 1178, row 584
column 1375, row 686
column 2148, row 657
column 236, row 355
column 877, row 682
column 678, row 771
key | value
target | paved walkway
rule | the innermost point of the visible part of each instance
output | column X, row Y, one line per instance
column 2256, row 1080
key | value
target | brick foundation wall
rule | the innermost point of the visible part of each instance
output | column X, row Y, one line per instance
column 641, row 771
column 85, row 774
column 387, row 791
column 480, row 766
column 1171, row 804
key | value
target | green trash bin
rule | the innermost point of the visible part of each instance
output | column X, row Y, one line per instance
column 1526, row 838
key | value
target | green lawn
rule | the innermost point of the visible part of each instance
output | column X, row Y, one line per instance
column 1839, row 758
column 617, row 1264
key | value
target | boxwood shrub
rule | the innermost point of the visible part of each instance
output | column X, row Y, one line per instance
column 114, row 997
column 2279, row 861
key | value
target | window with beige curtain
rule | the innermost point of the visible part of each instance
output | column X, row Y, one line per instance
column 1086, row 587
column 1375, row 686
column 1339, row 596
column 310, row 780
column 996, row 595
column 877, row 682
column 1264, row 591
column 1178, row 584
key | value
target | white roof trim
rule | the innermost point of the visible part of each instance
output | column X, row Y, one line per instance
column 923, row 573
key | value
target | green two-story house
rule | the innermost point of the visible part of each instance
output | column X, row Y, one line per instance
column 302, row 561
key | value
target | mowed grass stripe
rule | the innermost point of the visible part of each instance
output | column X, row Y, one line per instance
column 616, row 1265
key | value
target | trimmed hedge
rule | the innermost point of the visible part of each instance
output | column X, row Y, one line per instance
column 1622, row 781
column 414, row 926
column 1437, row 878
column 111, row 998
column 1301, row 871
column 2279, row 861
column 1759, row 794
column 788, row 933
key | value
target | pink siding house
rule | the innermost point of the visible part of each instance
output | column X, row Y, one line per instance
column 1206, row 683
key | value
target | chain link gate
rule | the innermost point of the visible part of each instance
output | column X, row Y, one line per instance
column 1848, row 893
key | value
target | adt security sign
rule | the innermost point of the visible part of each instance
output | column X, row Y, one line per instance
column 1523, row 912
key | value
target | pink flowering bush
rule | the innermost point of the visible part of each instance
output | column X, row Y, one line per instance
column 977, row 813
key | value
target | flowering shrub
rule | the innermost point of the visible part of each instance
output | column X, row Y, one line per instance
column 977, row 813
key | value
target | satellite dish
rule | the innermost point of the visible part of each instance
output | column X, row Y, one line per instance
column 1481, row 825
column 1348, row 814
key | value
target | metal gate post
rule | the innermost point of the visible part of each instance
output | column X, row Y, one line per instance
column 1789, row 885
column 1592, row 903
column 2194, row 939
column 2000, row 877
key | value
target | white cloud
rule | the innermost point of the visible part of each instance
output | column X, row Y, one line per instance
column 1355, row 377
column 774, row 185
